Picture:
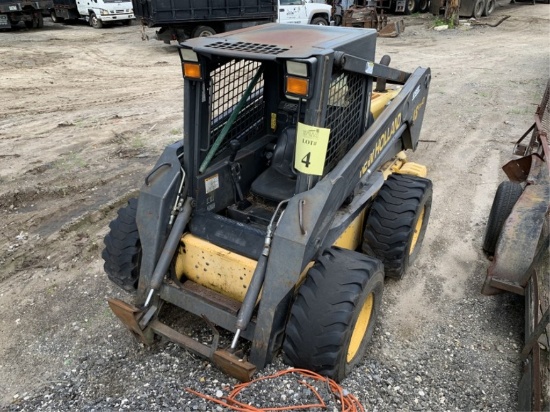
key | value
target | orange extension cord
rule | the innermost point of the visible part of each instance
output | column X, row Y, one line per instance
column 349, row 402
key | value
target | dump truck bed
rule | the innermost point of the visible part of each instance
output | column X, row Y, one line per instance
column 156, row 13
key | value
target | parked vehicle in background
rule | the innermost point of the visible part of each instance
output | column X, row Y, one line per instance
column 29, row 12
column 468, row 8
column 97, row 12
column 303, row 12
column 182, row 19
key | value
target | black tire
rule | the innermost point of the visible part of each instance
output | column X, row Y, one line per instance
column 320, row 21
column 397, row 222
column 203, row 31
column 333, row 316
column 489, row 7
column 412, row 6
column 29, row 24
column 424, row 6
column 337, row 20
column 95, row 22
column 506, row 197
column 479, row 7
column 55, row 18
column 122, row 252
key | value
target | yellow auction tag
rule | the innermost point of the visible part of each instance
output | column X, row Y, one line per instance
column 311, row 149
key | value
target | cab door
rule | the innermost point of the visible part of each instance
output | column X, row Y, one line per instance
column 292, row 11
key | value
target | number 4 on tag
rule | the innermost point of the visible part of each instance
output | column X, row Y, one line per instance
column 311, row 149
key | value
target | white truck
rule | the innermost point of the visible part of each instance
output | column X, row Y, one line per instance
column 96, row 12
column 304, row 12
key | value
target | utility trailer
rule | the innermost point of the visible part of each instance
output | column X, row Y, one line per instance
column 29, row 12
column 97, row 12
column 517, row 239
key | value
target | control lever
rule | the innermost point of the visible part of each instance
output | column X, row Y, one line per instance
column 234, row 146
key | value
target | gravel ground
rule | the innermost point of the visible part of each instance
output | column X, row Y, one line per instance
column 453, row 370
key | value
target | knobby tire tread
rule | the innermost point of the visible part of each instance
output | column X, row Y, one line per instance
column 318, row 330
column 122, row 251
column 392, row 219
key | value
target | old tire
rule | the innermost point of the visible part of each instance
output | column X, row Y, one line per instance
column 397, row 222
column 95, row 22
column 412, row 6
column 489, row 7
column 506, row 197
column 203, row 31
column 320, row 21
column 424, row 6
column 333, row 316
column 479, row 7
column 122, row 252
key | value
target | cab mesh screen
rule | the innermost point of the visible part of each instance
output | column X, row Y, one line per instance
column 345, row 116
column 227, row 86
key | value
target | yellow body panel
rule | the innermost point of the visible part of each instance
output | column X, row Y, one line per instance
column 415, row 169
column 379, row 100
column 351, row 238
column 214, row 267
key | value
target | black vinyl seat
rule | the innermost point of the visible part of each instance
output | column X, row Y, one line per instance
column 278, row 181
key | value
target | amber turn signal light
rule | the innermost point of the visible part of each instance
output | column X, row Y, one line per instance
column 192, row 71
column 297, row 86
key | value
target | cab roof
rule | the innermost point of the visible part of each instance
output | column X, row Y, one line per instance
column 273, row 41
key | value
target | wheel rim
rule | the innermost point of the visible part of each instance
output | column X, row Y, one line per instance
column 411, row 6
column 479, row 8
column 360, row 328
column 417, row 229
column 205, row 33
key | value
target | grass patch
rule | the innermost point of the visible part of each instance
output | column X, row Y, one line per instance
column 520, row 110
column 71, row 162
column 138, row 142
column 441, row 21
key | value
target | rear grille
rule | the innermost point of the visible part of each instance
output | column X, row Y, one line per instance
column 248, row 47
column 345, row 116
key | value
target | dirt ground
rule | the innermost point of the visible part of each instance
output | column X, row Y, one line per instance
column 84, row 114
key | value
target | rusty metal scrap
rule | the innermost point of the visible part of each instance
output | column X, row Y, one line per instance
column 368, row 17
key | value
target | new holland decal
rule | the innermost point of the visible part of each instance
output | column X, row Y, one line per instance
column 381, row 143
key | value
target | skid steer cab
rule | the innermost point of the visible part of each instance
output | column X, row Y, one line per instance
column 287, row 203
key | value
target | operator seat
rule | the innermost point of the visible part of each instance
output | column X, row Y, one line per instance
column 278, row 181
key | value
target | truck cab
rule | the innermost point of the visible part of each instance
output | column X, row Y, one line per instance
column 96, row 12
column 303, row 12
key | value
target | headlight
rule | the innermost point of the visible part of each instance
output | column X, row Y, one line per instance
column 104, row 12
